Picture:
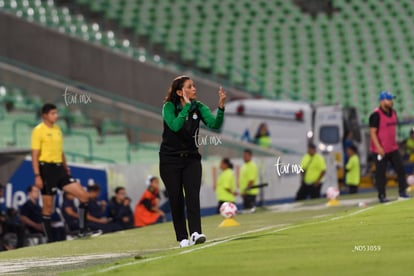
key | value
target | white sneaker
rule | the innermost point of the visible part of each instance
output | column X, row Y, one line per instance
column 197, row 238
column 184, row 243
column 90, row 233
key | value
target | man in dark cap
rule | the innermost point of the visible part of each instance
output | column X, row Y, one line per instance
column 383, row 125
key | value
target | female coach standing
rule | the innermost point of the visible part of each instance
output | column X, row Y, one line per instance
column 180, row 161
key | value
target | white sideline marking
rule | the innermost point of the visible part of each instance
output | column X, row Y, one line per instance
column 21, row 265
column 322, row 221
column 227, row 239
column 233, row 238
column 210, row 244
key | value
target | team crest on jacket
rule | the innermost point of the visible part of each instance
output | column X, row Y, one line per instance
column 195, row 116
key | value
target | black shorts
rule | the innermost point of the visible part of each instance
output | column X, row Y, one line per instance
column 54, row 177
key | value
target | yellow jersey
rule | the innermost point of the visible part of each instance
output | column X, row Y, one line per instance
column 249, row 172
column 49, row 141
column 353, row 171
column 225, row 182
column 313, row 166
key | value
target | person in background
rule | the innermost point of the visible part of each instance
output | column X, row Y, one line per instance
column 262, row 137
column 120, row 209
column 127, row 202
column 12, row 232
column 248, row 178
column 347, row 141
column 352, row 168
column 147, row 209
column 2, row 205
column 383, row 145
column 314, row 167
column 51, row 171
column 97, row 220
column 70, row 212
column 2, row 220
column 226, row 184
column 409, row 146
column 31, row 212
column 5, row 242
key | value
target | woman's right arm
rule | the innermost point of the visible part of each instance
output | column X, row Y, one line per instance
column 175, row 123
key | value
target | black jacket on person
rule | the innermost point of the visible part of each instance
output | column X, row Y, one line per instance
column 118, row 211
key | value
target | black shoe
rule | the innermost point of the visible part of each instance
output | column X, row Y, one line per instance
column 404, row 197
column 383, row 200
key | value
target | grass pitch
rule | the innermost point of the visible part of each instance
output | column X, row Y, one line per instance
column 343, row 240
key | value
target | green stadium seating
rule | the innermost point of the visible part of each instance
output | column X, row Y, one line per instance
column 82, row 141
column 268, row 48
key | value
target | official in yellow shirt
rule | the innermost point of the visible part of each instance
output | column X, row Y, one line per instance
column 352, row 167
column 314, row 167
column 50, row 141
column 226, row 184
column 409, row 146
column 248, row 178
column 51, row 171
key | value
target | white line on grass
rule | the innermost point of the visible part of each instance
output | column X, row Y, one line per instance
column 331, row 219
column 230, row 238
column 210, row 244
column 321, row 221
column 227, row 239
column 22, row 265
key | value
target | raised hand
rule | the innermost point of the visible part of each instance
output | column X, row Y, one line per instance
column 222, row 97
column 185, row 96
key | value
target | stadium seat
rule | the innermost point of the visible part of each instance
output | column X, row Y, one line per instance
column 252, row 40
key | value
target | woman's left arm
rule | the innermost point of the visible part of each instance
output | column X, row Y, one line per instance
column 208, row 117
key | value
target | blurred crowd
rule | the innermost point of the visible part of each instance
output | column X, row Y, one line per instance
column 23, row 226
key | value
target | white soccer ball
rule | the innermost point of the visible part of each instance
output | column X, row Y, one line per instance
column 332, row 193
column 228, row 209
column 410, row 180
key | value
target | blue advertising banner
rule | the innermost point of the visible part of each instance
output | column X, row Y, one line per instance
column 23, row 177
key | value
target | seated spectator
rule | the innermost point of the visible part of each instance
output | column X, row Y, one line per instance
column 13, row 226
column 70, row 212
column 147, row 210
column 31, row 214
column 4, row 244
column 262, row 137
column 120, row 209
column 12, row 231
column 96, row 219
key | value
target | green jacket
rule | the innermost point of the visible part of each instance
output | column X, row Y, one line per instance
column 181, row 125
